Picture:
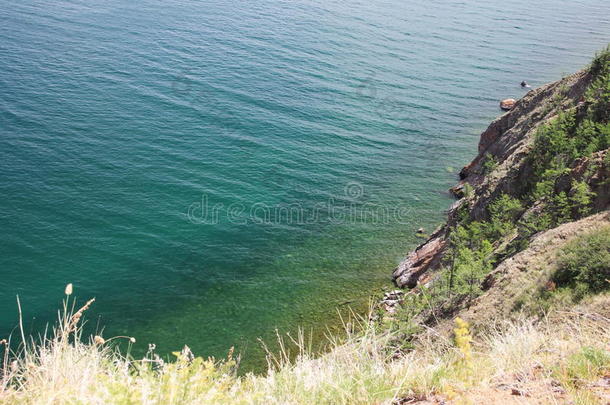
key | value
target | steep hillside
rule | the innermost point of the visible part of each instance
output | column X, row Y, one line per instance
column 541, row 164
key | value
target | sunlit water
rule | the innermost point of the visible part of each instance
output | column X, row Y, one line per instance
column 212, row 170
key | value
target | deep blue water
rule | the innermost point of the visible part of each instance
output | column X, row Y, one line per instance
column 328, row 130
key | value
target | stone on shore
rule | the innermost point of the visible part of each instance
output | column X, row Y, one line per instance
column 507, row 104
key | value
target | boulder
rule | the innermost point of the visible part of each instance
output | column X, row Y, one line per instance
column 507, row 104
column 408, row 271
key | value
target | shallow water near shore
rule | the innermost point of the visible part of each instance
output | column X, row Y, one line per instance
column 211, row 173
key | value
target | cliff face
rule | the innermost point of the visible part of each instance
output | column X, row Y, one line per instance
column 504, row 166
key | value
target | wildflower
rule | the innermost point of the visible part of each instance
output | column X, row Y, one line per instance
column 69, row 289
column 98, row 340
column 463, row 338
column 132, row 339
column 151, row 347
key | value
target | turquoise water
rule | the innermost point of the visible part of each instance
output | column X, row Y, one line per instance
column 329, row 131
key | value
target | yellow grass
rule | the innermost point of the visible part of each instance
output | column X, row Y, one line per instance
column 558, row 358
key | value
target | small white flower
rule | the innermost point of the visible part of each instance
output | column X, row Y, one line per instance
column 69, row 289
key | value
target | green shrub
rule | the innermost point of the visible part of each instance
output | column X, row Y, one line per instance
column 503, row 212
column 584, row 365
column 599, row 92
column 580, row 198
column 489, row 164
column 559, row 207
column 470, row 268
column 585, row 262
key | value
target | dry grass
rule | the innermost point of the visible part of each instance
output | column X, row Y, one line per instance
column 562, row 358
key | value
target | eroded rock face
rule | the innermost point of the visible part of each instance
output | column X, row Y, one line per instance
column 409, row 270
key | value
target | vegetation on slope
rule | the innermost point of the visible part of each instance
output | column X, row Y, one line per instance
column 585, row 263
column 582, row 270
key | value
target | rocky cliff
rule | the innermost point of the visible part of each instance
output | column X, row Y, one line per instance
column 507, row 163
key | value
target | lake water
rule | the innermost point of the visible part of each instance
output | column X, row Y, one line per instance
column 212, row 170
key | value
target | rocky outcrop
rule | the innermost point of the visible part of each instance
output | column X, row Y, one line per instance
column 507, row 142
column 421, row 259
